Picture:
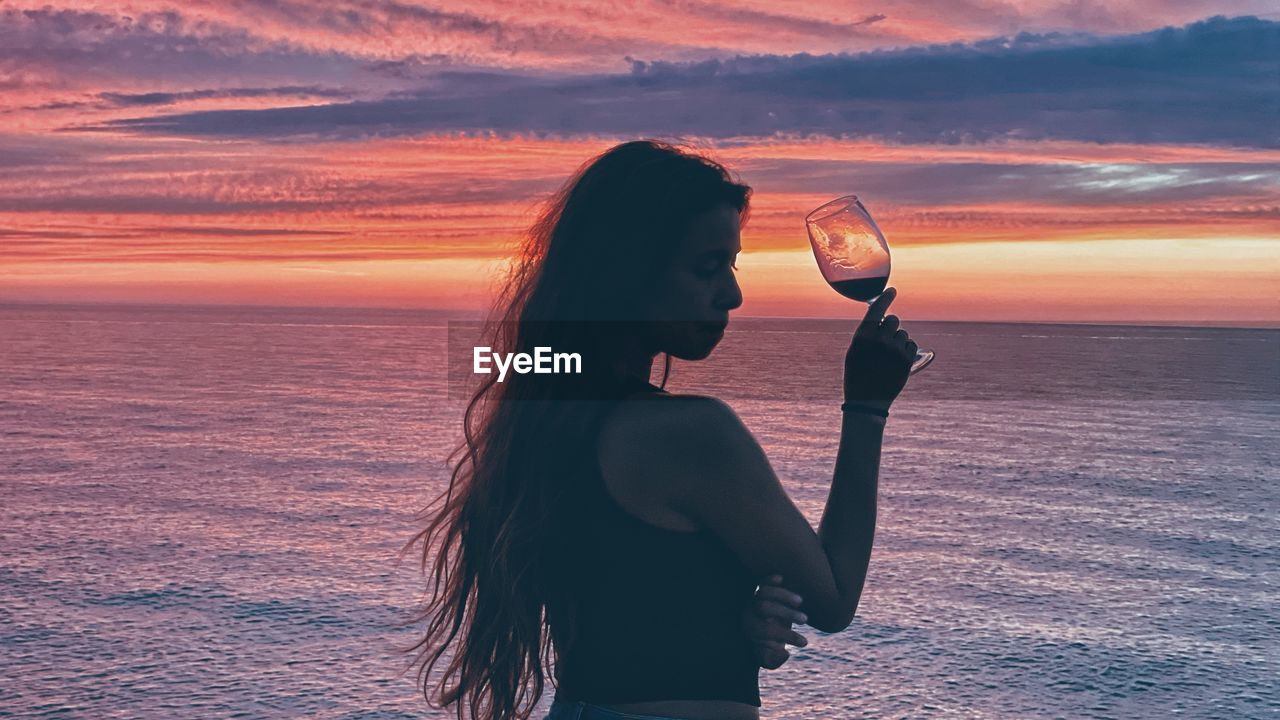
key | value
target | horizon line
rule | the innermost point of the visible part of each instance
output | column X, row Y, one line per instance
column 1223, row 324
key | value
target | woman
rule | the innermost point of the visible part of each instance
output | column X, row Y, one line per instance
column 607, row 532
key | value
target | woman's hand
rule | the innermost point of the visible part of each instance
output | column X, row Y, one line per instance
column 879, row 359
column 768, row 622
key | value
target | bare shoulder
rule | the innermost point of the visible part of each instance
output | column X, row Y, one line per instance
column 666, row 422
column 661, row 454
column 677, row 439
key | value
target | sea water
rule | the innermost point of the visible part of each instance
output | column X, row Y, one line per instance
column 202, row 512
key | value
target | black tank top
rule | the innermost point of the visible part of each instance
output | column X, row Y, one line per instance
column 659, row 613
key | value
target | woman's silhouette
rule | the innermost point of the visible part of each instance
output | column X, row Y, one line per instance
column 608, row 534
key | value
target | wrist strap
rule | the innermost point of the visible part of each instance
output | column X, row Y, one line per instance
column 865, row 409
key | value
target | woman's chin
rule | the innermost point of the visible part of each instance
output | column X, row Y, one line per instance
column 695, row 348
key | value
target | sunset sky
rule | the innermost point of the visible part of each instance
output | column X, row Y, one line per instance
column 1058, row 160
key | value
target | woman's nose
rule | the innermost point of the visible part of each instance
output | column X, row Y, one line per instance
column 730, row 297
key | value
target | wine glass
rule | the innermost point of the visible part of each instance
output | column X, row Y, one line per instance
column 853, row 255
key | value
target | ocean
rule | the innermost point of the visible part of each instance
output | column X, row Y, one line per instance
column 202, row 512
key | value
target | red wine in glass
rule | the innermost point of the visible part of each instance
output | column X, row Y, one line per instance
column 853, row 254
column 864, row 289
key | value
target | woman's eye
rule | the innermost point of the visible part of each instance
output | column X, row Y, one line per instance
column 709, row 268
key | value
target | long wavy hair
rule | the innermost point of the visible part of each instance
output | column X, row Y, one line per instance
column 499, row 552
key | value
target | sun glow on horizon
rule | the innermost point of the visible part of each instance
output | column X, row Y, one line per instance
column 1160, row 280
column 202, row 154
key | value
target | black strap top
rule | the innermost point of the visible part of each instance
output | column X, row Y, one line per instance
column 659, row 614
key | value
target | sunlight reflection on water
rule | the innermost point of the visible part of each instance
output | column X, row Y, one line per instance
column 202, row 515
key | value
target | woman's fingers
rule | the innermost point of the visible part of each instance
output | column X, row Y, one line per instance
column 774, row 610
column 779, row 595
column 892, row 332
column 769, row 621
column 787, row 636
column 776, row 633
column 905, row 343
column 875, row 312
column 771, row 581
column 772, row 656
column 901, row 339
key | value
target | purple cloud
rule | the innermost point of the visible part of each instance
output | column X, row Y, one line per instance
column 168, row 98
column 1210, row 82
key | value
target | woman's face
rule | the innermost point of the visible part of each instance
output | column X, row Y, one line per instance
column 695, row 293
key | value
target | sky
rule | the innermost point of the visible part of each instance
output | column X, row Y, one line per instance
column 1055, row 160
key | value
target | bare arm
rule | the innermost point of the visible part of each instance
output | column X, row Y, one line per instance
column 697, row 455
column 848, row 525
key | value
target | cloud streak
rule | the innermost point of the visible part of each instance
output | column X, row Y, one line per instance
column 1212, row 82
column 152, row 143
column 169, row 98
column 471, row 197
